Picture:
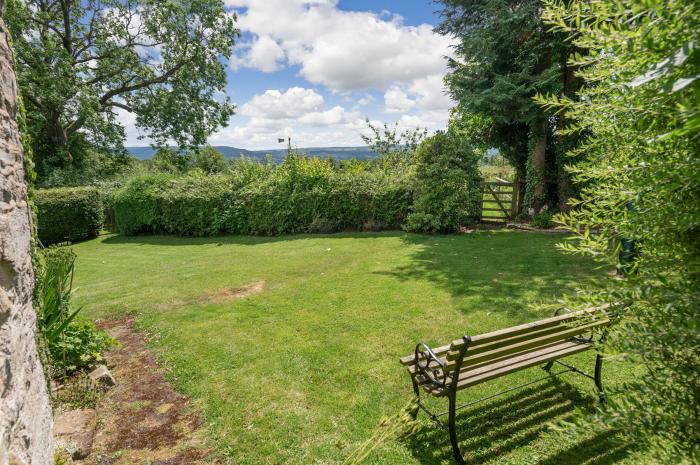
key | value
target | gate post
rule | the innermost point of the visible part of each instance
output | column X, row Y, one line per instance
column 514, row 200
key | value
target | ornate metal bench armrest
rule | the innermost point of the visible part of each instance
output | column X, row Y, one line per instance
column 435, row 375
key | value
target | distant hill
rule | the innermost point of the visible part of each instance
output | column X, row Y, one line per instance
column 339, row 153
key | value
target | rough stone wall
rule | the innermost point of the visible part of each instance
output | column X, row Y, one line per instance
column 25, row 414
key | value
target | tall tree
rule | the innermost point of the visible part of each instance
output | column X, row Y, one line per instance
column 504, row 57
column 25, row 414
column 79, row 61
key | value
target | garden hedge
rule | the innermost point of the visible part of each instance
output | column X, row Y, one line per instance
column 281, row 201
column 68, row 214
column 306, row 195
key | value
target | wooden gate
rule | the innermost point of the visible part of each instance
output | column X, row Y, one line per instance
column 499, row 202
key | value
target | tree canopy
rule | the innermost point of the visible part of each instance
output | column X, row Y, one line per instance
column 504, row 57
column 79, row 62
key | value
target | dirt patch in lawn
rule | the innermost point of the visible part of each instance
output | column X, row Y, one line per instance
column 142, row 419
column 225, row 294
column 230, row 293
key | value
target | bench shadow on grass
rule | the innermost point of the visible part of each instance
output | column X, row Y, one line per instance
column 494, row 428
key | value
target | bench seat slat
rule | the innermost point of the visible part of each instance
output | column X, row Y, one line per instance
column 510, row 340
column 501, row 348
column 494, row 370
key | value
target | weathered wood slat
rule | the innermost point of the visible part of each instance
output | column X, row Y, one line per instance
column 500, row 191
column 473, row 369
column 491, row 341
column 494, row 220
column 491, row 371
column 524, row 328
column 504, row 350
column 543, row 335
column 497, row 183
column 500, row 204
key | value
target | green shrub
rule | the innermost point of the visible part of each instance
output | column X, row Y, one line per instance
column 80, row 346
column 448, row 185
column 543, row 220
column 136, row 205
column 188, row 205
column 68, row 343
column 68, row 214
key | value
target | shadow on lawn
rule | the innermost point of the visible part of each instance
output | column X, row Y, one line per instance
column 497, row 427
column 504, row 271
column 169, row 240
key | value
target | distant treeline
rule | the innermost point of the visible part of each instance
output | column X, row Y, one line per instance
column 338, row 153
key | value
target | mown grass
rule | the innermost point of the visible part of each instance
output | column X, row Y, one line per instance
column 302, row 372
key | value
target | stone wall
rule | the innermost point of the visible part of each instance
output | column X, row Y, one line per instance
column 25, row 414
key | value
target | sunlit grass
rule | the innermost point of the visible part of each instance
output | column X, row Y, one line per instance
column 302, row 372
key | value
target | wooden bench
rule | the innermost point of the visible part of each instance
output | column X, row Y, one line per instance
column 468, row 361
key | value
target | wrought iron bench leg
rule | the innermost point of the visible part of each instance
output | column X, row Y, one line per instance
column 598, row 377
column 453, row 429
column 416, row 391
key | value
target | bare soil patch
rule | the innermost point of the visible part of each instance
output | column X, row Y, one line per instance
column 142, row 419
column 230, row 293
column 225, row 294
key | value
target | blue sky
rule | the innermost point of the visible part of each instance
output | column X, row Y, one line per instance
column 314, row 70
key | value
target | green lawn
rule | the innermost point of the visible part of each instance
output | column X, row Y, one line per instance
column 302, row 372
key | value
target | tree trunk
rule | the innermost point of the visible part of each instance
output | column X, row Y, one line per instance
column 536, row 181
column 57, row 135
column 565, row 185
column 520, row 186
column 25, row 414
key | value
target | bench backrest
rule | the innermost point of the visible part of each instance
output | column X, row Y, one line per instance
column 510, row 342
column 538, row 335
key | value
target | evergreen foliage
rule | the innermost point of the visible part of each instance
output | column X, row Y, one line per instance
column 505, row 56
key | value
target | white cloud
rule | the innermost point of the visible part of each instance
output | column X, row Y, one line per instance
column 426, row 94
column 366, row 100
column 256, row 139
column 335, row 116
column 396, row 101
column 431, row 120
column 297, row 112
column 128, row 120
column 273, row 104
column 264, row 54
column 344, row 50
column 431, row 93
column 354, row 54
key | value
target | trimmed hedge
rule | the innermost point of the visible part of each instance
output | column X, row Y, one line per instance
column 68, row 214
column 302, row 195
